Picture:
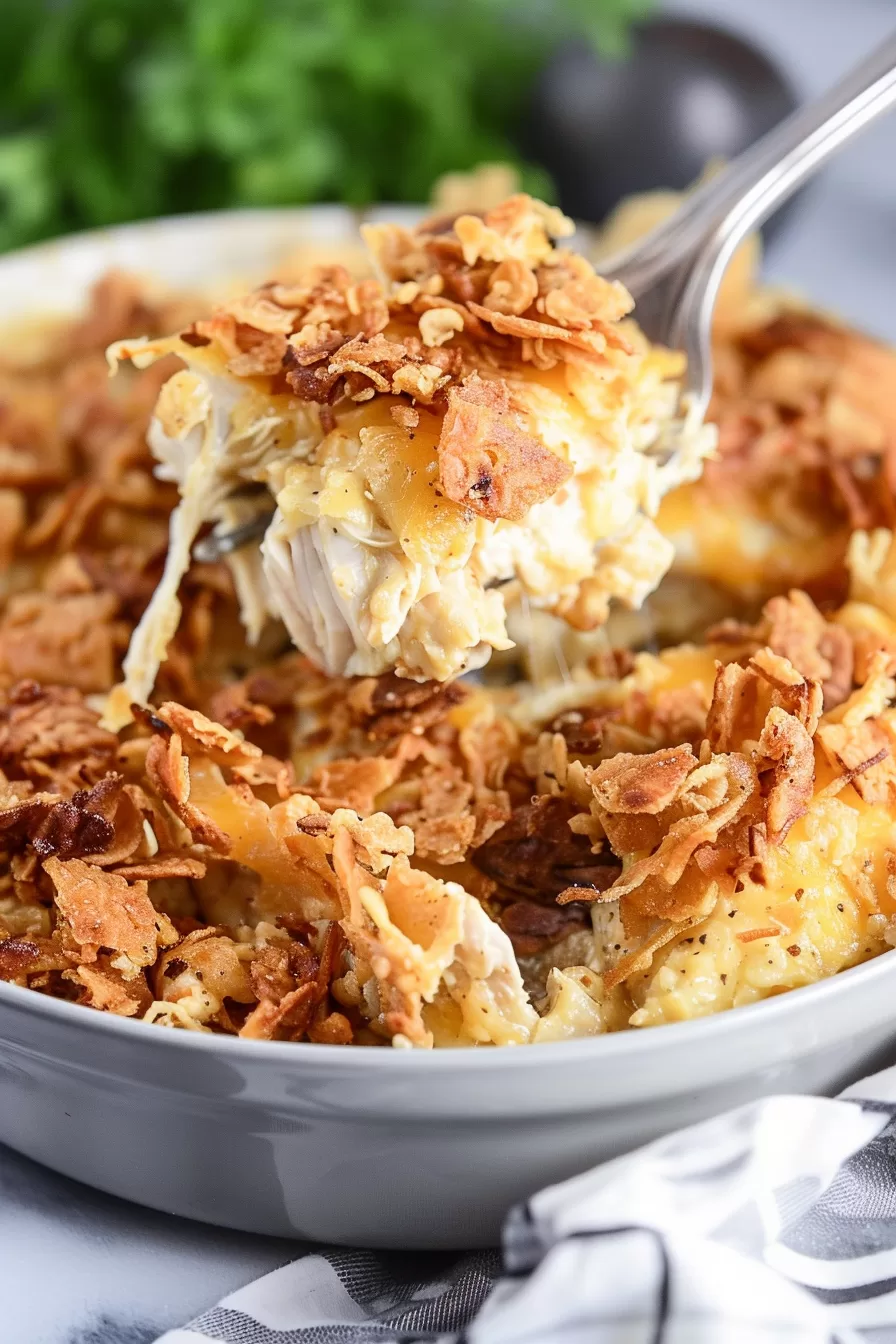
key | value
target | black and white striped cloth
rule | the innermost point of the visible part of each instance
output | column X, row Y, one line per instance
column 773, row 1224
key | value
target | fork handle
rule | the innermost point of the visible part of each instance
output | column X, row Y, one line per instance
column 769, row 172
column 730, row 205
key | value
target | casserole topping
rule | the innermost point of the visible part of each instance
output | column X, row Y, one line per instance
column 476, row 425
column 806, row 414
column 282, row 849
column 436, row 865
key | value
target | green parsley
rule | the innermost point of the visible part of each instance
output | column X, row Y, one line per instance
column 121, row 109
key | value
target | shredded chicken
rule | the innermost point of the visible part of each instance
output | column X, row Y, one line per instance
column 273, row 849
column 426, row 437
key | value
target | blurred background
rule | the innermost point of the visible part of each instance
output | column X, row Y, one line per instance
column 112, row 110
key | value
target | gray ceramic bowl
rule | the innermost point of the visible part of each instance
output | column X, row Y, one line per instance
column 370, row 1147
column 396, row 1147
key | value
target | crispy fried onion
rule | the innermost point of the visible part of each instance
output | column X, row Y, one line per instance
column 859, row 736
column 487, row 461
column 658, row 812
column 292, row 985
column 686, row 826
column 417, row 941
column 102, row 910
column 48, row 735
column 793, row 628
column 104, row 825
column 388, row 706
column 536, row 855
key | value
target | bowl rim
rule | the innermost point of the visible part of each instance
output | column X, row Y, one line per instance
column 216, row 218
column 636, row 1044
column 355, row 213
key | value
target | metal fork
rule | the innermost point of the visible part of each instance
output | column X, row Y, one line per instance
column 675, row 272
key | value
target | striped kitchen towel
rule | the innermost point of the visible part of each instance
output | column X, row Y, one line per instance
column 772, row 1224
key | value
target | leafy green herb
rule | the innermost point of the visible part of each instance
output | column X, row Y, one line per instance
column 118, row 109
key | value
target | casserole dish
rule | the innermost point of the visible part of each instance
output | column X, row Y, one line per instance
column 366, row 1147
column 396, row 1147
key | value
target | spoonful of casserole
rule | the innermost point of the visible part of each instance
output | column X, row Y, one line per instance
column 477, row 424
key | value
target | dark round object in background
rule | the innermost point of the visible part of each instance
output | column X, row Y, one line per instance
column 687, row 93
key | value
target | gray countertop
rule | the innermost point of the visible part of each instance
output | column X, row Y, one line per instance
column 81, row 1268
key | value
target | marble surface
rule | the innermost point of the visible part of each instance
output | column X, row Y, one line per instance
column 78, row 1267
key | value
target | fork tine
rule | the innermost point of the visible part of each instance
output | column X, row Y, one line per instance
column 219, row 544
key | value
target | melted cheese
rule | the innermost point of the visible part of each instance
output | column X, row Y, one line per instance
column 674, row 669
column 826, row 893
column 367, row 563
column 295, row 877
column 401, row 469
column 738, row 545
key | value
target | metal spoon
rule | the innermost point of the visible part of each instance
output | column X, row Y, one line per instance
column 675, row 272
